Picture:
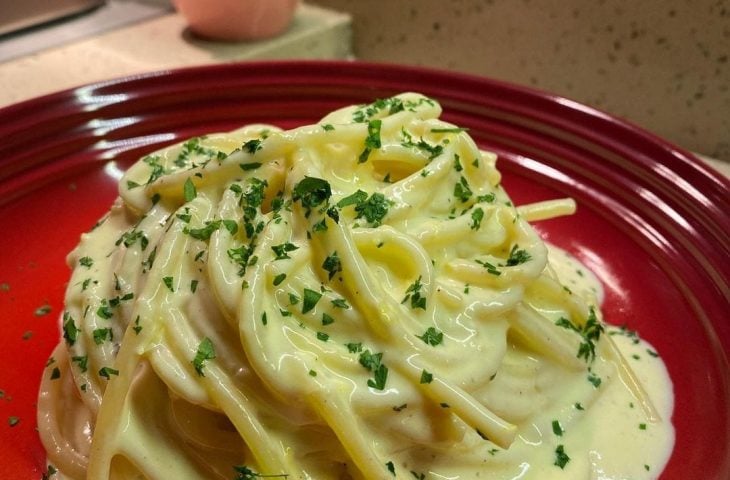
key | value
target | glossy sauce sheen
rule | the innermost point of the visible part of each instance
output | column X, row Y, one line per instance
column 494, row 396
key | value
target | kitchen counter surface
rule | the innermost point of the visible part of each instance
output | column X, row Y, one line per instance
column 165, row 43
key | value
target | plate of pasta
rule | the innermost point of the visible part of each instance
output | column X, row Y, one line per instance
column 325, row 270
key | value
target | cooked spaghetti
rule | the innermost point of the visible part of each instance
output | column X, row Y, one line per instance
column 353, row 299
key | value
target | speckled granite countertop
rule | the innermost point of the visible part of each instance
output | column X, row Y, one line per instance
column 661, row 64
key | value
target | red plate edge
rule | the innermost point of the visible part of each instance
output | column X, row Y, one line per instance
column 700, row 204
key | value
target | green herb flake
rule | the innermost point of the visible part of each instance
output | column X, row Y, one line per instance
column 13, row 420
column 340, row 303
column 282, row 250
column 189, row 190
column 249, row 166
column 86, row 262
column 137, row 328
column 168, row 281
column 449, row 130
column 462, row 191
column 252, row 146
column 354, row 199
column 327, row 127
column 491, row 269
column 310, row 300
column 372, row 141
column 204, row 232
column 354, row 347
column 327, row 320
column 476, row 218
column 55, row 373
column 373, row 363
column 81, row 361
column 332, row 265
column 426, row 377
column 414, row 293
column 312, row 192
column 557, row 428
column 107, row 372
column 205, row 352
column 102, row 334
column 70, row 331
column 432, row 336
column 518, row 256
column 374, row 209
column 391, row 467
column 312, row 373
column 590, row 333
column 323, row 336
column 561, row 458
column 594, row 379
column 279, row 278
column 42, row 310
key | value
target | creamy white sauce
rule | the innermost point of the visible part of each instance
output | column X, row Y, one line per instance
column 455, row 294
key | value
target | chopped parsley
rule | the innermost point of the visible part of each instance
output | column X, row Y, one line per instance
column 557, row 428
column 561, row 458
column 414, row 293
column 374, row 209
column 426, row 377
column 279, row 278
column 353, row 199
column 102, row 334
column 491, row 269
column 332, row 265
column 391, row 467
column 168, row 281
column 13, row 420
column 372, row 141
column 310, row 300
column 323, row 336
column 70, row 331
column 42, row 310
column 283, row 249
column 107, row 372
column 518, row 256
column 249, row 166
column 590, row 332
column 340, row 303
column 204, row 232
column 476, row 216
column 432, row 336
column 189, row 190
column 462, row 191
column 327, row 320
column 252, row 146
column 594, row 379
column 86, row 262
column 245, row 473
column 354, row 347
column 82, row 362
column 205, row 352
column 373, row 363
column 312, row 192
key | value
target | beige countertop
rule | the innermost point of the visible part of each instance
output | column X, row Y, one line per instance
column 164, row 42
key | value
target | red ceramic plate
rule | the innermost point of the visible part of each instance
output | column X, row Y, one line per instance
column 652, row 221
